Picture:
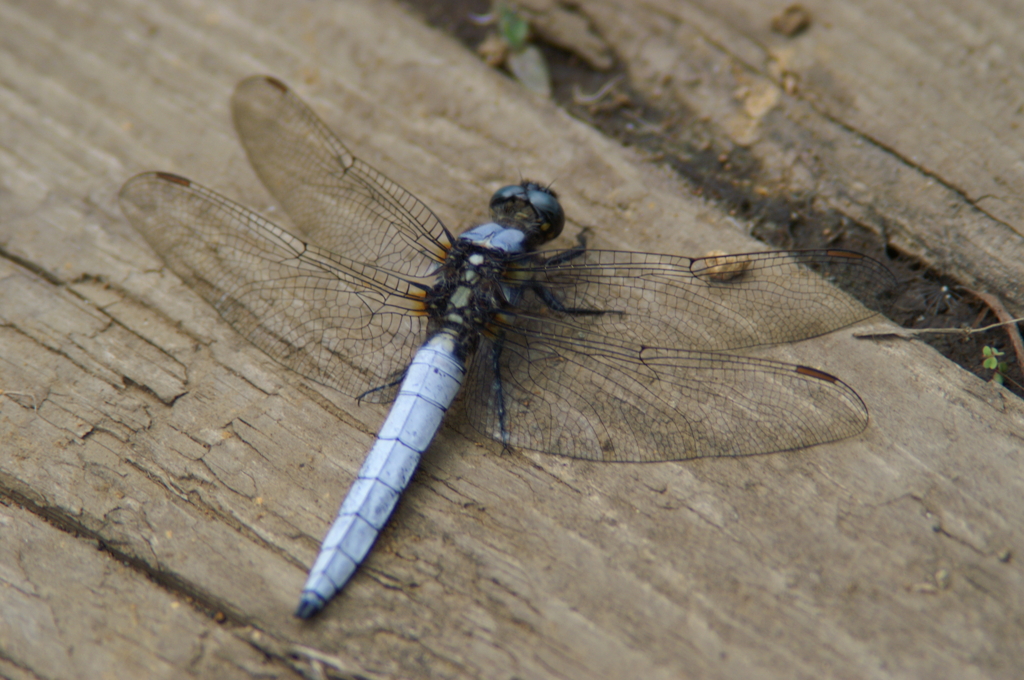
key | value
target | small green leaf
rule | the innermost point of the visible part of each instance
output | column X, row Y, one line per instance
column 992, row 363
column 513, row 28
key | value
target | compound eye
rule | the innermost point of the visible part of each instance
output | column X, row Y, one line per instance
column 549, row 210
column 505, row 194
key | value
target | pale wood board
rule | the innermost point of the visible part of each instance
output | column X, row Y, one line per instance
column 133, row 418
column 906, row 116
column 70, row 610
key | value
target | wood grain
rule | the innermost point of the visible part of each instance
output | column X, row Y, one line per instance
column 906, row 116
column 134, row 420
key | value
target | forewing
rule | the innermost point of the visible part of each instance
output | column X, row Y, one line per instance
column 601, row 399
column 339, row 322
column 711, row 304
column 337, row 201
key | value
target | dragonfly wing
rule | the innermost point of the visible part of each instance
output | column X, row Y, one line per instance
column 342, row 323
column 337, row 201
column 711, row 304
column 612, row 355
column 601, row 399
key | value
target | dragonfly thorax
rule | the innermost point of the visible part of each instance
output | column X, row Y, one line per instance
column 469, row 288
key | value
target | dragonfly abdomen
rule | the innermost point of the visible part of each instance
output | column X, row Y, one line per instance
column 428, row 389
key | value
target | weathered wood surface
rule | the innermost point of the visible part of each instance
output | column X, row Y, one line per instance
column 134, row 419
column 907, row 116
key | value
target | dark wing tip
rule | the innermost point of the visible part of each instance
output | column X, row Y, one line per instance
column 258, row 82
column 271, row 80
column 136, row 192
column 848, row 254
column 171, row 177
column 815, row 373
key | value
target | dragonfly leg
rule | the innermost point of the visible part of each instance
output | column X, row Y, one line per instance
column 499, row 391
column 549, row 299
column 380, row 388
column 552, row 302
column 574, row 252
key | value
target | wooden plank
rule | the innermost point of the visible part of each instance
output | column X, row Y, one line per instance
column 134, row 416
column 72, row 611
column 905, row 116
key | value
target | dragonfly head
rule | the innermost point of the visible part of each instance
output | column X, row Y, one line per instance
column 532, row 208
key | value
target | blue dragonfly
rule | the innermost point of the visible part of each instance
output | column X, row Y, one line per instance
column 594, row 354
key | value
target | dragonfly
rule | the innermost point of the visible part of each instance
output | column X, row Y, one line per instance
column 600, row 355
